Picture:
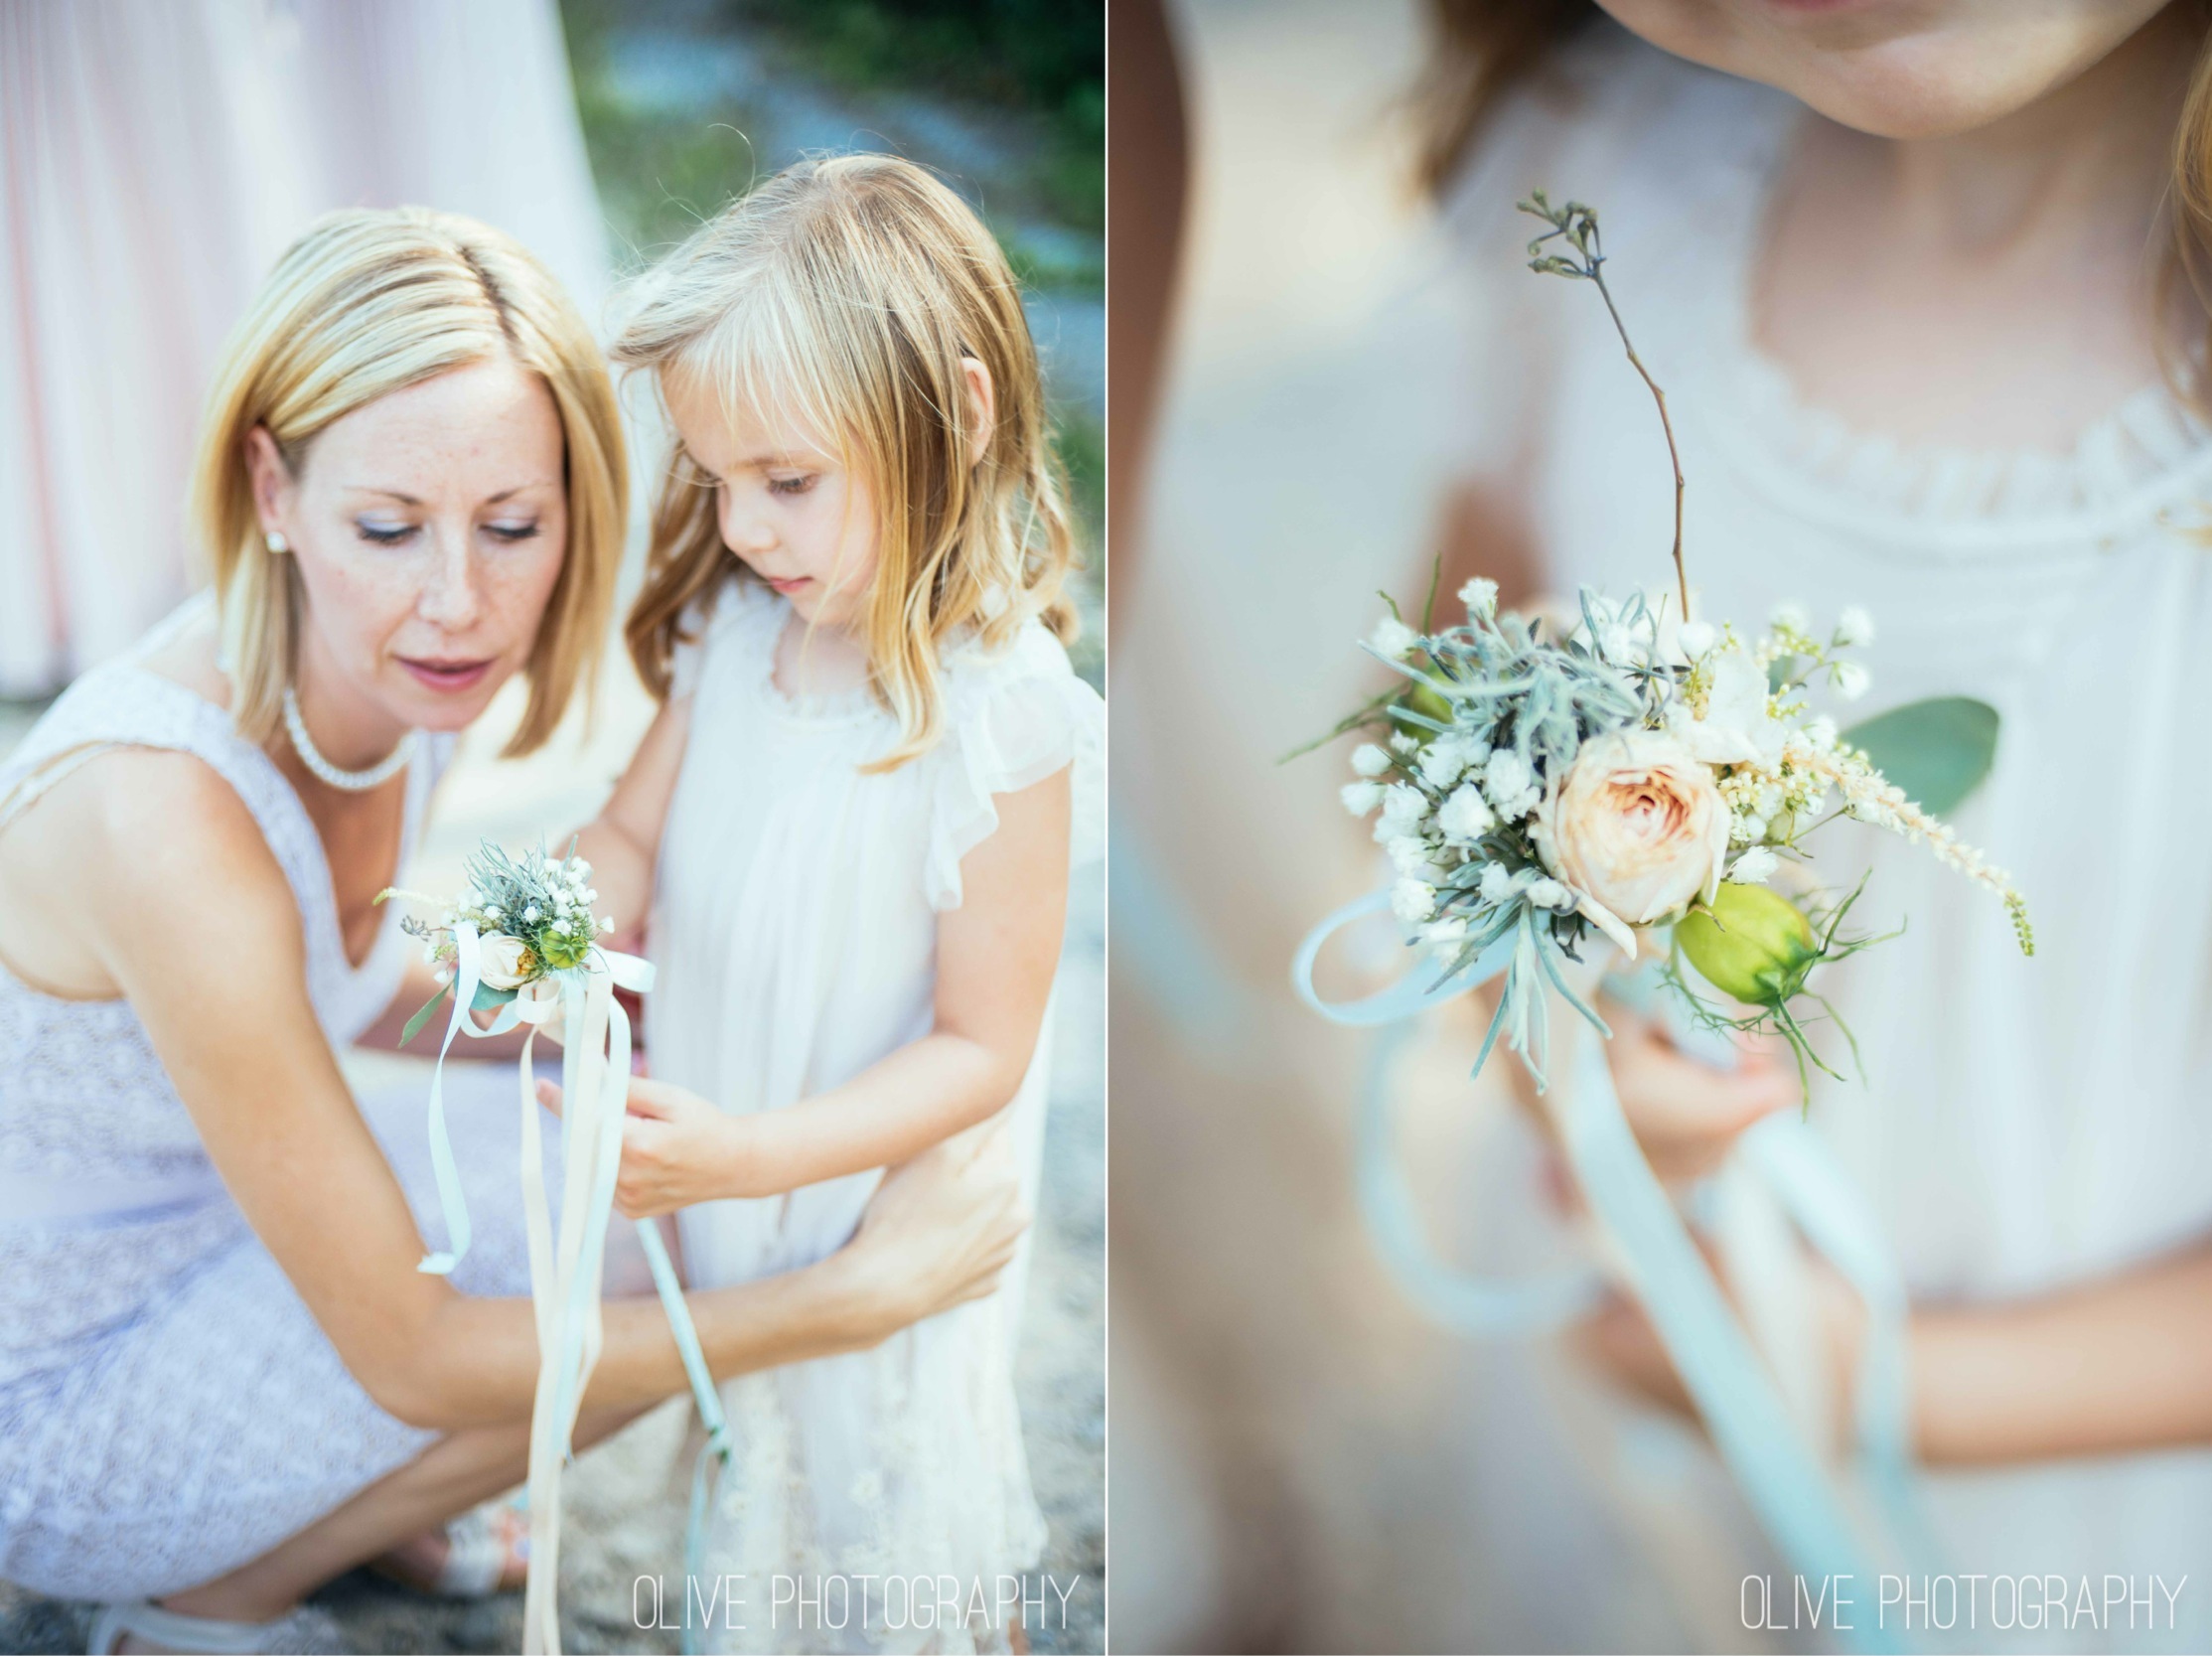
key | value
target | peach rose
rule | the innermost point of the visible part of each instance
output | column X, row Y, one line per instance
column 501, row 961
column 1637, row 830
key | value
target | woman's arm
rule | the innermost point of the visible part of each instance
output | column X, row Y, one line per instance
column 996, row 957
column 172, row 889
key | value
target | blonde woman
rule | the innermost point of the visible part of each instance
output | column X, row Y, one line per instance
column 222, row 1379
column 853, row 820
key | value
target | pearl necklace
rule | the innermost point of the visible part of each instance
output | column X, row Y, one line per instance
column 352, row 782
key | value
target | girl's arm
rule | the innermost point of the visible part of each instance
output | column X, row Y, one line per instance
column 623, row 843
column 2120, row 1364
column 2113, row 1366
column 996, row 957
column 170, row 886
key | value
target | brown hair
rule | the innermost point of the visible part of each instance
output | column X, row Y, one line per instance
column 846, row 292
column 366, row 303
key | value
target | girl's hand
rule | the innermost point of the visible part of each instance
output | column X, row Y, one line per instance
column 1620, row 1339
column 939, row 1230
column 677, row 1150
column 1687, row 1114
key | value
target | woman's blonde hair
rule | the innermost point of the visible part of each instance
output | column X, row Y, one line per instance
column 1485, row 48
column 845, row 294
column 364, row 303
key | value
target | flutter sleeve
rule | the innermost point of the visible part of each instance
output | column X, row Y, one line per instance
column 1012, row 722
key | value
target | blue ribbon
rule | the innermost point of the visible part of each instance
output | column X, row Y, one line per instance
column 716, row 1450
column 1782, row 1478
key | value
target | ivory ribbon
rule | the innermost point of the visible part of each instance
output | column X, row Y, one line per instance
column 1643, row 1244
column 566, row 1269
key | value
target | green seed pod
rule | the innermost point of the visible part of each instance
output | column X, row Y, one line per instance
column 562, row 953
column 1750, row 944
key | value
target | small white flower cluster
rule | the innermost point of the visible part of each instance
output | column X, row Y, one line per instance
column 1763, row 799
column 1767, row 749
column 569, row 898
column 552, row 898
column 1450, row 794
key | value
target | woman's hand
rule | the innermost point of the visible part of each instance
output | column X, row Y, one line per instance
column 678, row 1148
column 939, row 1231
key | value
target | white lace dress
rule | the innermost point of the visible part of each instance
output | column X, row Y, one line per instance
column 2026, row 1123
column 169, row 1407
column 794, row 928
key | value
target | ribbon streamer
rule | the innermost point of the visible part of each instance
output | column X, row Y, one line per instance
column 566, row 1269
column 1645, row 1242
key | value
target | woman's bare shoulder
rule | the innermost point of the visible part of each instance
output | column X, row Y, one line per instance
column 135, row 848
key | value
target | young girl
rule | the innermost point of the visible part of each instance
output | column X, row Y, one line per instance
column 1914, row 279
column 852, row 825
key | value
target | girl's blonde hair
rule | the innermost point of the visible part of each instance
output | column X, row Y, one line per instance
column 845, row 294
column 1486, row 47
column 364, row 303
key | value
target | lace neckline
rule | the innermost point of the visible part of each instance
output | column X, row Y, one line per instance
column 2131, row 466
column 847, row 706
column 770, row 613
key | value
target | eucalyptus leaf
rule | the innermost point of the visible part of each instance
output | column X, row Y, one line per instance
column 1937, row 750
column 416, row 1023
column 489, row 999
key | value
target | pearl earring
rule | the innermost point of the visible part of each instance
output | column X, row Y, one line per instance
column 276, row 542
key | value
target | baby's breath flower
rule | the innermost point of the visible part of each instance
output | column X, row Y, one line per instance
column 1855, row 627
column 1442, row 761
column 1789, row 618
column 1480, row 595
column 1513, row 791
column 1754, row 868
column 1405, row 807
column 1548, row 893
column 1409, row 854
column 1466, row 815
column 1370, row 760
column 1391, row 638
column 1695, row 638
column 1360, row 796
column 1850, row 680
column 1412, row 901
column 530, row 915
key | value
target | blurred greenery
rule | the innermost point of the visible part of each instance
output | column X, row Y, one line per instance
column 1043, row 57
column 684, row 104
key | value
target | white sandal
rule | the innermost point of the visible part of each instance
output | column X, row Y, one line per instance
column 477, row 1554
column 301, row 1631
